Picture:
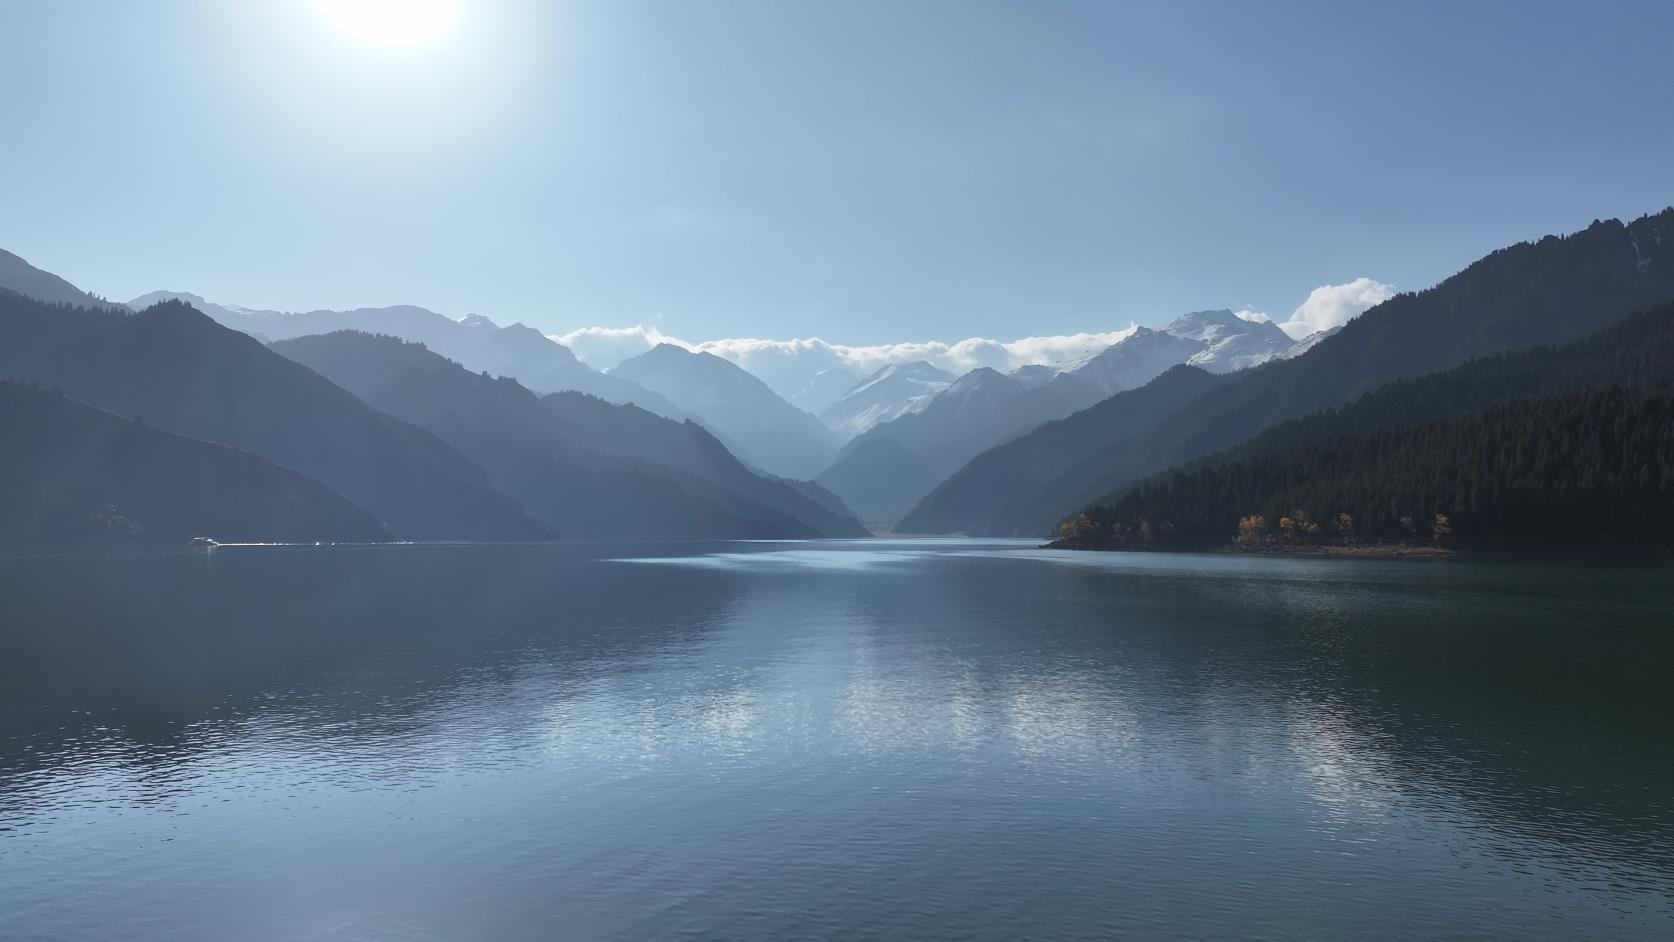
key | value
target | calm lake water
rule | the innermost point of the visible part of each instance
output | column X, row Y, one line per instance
column 901, row 740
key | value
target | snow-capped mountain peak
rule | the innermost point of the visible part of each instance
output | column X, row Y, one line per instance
column 1230, row 342
column 893, row 391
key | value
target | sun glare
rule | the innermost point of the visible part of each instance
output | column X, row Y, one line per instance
column 392, row 22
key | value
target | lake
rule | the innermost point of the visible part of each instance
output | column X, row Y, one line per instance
column 871, row 739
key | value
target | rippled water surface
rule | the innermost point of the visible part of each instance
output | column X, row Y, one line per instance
column 905, row 740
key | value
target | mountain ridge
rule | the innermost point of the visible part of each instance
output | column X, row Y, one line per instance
column 77, row 475
column 593, row 469
column 537, row 361
column 1550, row 290
column 23, row 278
column 744, row 411
column 178, row 369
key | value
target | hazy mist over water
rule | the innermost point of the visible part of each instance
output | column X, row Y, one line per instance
column 905, row 739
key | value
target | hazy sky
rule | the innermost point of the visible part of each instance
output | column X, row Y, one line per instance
column 864, row 172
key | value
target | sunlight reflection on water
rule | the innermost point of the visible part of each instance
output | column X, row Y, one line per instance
column 746, row 741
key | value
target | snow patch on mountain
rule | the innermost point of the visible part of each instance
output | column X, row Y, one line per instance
column 893, row 391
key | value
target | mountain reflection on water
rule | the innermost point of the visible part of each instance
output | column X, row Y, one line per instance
column 927, row 739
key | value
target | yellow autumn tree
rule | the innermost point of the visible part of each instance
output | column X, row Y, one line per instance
column 1442, row 529
column 1305, row 525
column 1078, row 527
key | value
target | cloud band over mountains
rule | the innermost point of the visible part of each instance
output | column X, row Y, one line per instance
column 787, row 365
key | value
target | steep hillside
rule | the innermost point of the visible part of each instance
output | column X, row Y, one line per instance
column 477, row 343
column 31, row 282
column 1550, row 291
column 1272, row 470
column 690, row 449
column 79, row 476
column 1590, row 466
column 183, row 372
column 979, row 410
column 966, row 501
column 770, row 433
column 886, row 395
column 595, row 470
column 878, row 477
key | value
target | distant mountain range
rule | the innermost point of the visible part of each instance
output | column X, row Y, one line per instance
column 473, row 341
column 1549, row 291
column 1216, row 341
column 767, row 431
column 884, row 471
column 592, row 469
column 1541, row 447
column 176, row 369
column 984, row 408
column 978, row 496
column 401, row 423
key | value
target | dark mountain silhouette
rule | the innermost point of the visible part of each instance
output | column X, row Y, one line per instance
column 1592, row 466
column 1533, row 447
column 1550, row 291
column 980, row 410
column 31, row 282
column 1636, row 352
column 75, row 476
column 827, row 498
column 877, row 478
column 179, row 370
column 595, row 470
column 475, row 342
column 966, row 501
column 691, row 449
column 767, row 431
column 30, row 327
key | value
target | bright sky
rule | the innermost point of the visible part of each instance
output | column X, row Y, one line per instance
column 866, row 172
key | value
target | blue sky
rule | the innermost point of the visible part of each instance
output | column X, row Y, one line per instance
column 863, row 172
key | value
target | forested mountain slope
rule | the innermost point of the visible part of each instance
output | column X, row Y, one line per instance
column 1560, row 425
column 1589, row 466
column 1533, row 293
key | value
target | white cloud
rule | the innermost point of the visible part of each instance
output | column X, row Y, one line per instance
column 604, row 347
column 788, row 365
column 1331, row 306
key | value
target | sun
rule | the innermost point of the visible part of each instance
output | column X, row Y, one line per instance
column 392, row 22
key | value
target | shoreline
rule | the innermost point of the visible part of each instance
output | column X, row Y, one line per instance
column 1367, row 551
column 1360, row 551
column 1394, row 551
